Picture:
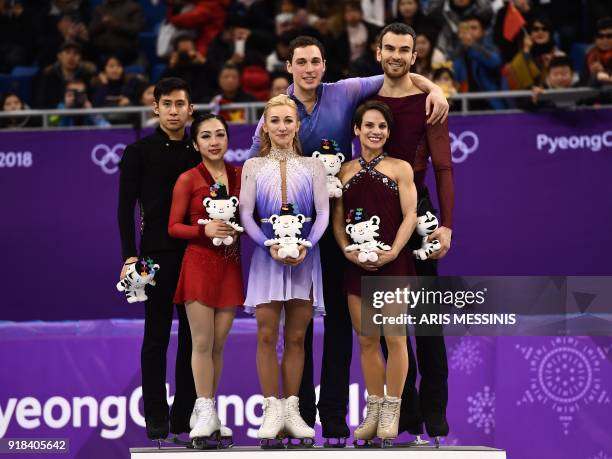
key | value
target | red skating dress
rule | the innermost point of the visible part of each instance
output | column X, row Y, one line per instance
column 210, row 274
column 378, row 195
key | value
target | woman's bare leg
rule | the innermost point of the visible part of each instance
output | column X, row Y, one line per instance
column 298, row 314
column 223, row 323
column 202, row 324
column 268, row 318
column 397, row 365
column 372, row 364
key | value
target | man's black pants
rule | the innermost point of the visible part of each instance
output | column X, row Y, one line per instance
column 159, row 311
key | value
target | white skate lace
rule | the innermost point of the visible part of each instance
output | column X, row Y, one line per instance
column 204, row 411
column 296, row 420
column 388, row 412
column 273, row 414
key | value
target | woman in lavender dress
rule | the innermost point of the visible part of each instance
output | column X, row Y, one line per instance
column 278, row 182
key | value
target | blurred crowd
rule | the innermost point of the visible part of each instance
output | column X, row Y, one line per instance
column 109, row 53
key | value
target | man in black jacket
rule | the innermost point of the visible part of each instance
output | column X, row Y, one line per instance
column 148, row 171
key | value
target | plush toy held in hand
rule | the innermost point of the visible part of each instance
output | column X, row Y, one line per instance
column 427, row 223
column 138, row 275
column 220, row 206
column 363, row 231
column 288, row 229
column 332, row 160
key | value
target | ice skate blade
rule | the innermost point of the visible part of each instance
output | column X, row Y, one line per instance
column 418, row 441
column 178, row 442
column 340, row 442
column 271, row 443
column 226, row 442
column 437, row 441
column 386, row 443
column 365, row 444
column 301, row 443
column 205, row 443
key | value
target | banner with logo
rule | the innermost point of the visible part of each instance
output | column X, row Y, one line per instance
column 532, row 197
column 555, row 404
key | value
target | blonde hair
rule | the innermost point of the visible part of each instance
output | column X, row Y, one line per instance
column 264, row 137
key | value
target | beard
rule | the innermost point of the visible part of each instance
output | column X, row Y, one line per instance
column 395, row 72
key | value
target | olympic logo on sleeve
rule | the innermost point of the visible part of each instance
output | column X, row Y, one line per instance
column 106, row 157
column 465, row 143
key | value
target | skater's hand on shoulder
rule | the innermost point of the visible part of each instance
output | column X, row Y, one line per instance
column 218, row 228
column 126, row 265
column 436, row 107
column 443, row 234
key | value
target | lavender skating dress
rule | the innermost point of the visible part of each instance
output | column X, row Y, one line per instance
column 260, row 197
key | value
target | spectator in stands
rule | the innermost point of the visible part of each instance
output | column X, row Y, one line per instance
column 277, row 59
column 530, row 66
column 476, row 63
column 68, row 27
column 16, row 42
column 114, row 29
column 366, row 65
column 69, row 66
column 449, row 13
column 508, row 49
column 428, row 56
column 206, row 17
column 112, row 88
column 560, row 76
column 599, row 57
column 279, row 84
column 260, row 14
column 410, row 12
column 444, row 77
column 229, row 46
column 75, row 96
column 356, row 36
column 231, row 92
column 147, row 99
column 188, row 64
column 11, row 102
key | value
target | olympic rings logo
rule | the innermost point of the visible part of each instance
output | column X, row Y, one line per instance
column 107, row 158
column 466, row 143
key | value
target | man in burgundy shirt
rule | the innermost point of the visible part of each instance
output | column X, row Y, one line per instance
column 415, row 141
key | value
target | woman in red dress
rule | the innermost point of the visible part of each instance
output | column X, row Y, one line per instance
column 379, row 199
column 210, row 283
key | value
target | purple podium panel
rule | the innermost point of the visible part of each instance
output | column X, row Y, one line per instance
column 532, row 396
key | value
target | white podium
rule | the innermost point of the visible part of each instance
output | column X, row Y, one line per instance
column 397, row 452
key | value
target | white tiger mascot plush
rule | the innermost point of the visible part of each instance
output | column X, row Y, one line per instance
column 288, row 229
column 133, row 284
column 220, row 206
column 427, row 223
column 363, row 231
column 332, row 161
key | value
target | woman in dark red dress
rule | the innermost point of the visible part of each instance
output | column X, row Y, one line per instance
column 379, row 198
column 210, row 283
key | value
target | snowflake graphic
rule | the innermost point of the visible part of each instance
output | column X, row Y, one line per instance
column 482, row 410
column 565, row 374
column 466, row 356
column 601, row 455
